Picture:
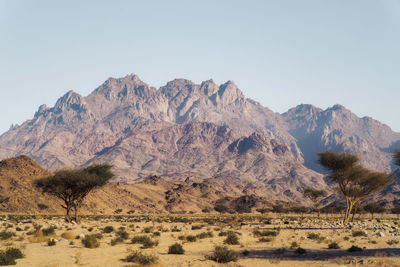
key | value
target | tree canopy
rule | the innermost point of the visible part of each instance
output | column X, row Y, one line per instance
column 353, row 181
column 315, row 196
column 72, row 186
column 373, row 208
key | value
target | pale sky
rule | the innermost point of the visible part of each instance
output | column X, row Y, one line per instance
column 280, row 53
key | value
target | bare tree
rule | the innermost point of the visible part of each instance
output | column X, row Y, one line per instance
column 315, row 196
column 72, row 186
column 354, row 181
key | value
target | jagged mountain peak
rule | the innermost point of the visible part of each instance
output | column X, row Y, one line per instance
column 127, row 78
column 204, row 130
column 113, row 89
column 71, row 100
column 338, row 107
column 209, row 87
column 229, row 92
column 302, row 110
column 177, row 87
column 339, row 129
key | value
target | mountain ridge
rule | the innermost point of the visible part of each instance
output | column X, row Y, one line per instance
column 142, row 131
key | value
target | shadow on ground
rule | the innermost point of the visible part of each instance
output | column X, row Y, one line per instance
column 322, row 255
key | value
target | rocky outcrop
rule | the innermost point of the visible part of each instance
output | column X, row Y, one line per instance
column 202, row 130
column 338, row 129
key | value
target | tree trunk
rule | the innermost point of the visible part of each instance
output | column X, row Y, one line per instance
column 67, row 208
column 354, row 212
column 348, row 211
column 76, row 214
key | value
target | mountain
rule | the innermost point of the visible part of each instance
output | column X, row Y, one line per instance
column 201, row 131
column 338, row 129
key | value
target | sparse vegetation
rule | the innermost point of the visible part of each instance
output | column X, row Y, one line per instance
column 232, row 239
column 42, row 206
column 90, row 241
column 221, row 208
column 354, row 249
column 354, row 181
column 4, row 235
column 51, row 242
column 315, row 196
column 223, row 255
column 315, row 236
column 333, row 245
column 108, row 229
column 145, row 241
column 373, row 208
column 359, row 233
column 176, row 249
column 265, row 233
column 191, row 238
column 205, row 235
column 72, row 186
column 140, row 258
column 294, row 245
column 247, row 232
column 9, row 256
column 300, row 251
column 48, row 231
column 392, row 242
column 116, row 241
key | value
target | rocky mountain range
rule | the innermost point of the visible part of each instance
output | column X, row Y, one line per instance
column 197, row 131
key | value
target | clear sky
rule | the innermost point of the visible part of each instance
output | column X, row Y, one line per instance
column 280, row 53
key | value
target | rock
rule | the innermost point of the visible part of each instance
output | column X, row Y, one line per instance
column 380, row 234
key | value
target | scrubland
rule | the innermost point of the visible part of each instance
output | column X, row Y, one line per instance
column 199, row 240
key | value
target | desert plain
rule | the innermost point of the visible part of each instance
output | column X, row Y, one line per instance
column 260, row 240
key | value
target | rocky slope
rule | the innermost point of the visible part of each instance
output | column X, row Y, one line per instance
column 152, row 195
column 196, row 130
column 338, row 129
column 203, row 150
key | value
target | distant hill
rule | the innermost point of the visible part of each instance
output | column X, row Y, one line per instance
column 152, row 195
column 338, row 129
column 202, row 131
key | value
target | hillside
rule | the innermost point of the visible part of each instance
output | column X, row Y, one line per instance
column 338, row 129
column 204, row 131
column 152, row 195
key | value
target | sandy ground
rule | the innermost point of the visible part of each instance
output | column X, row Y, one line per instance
column 377, row 252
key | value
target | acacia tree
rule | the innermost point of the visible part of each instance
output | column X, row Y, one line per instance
column 354, row 181
column 315, row 196
column 373, row 208
column 72, row 186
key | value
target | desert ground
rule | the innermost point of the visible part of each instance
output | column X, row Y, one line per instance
column 256, row 240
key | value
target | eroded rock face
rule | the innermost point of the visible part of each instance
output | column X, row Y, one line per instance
column 184, row 129
column 338, row 129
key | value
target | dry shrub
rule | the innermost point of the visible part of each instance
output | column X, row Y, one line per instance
column 69, row 235
column 223, row 255
column 142, row 259
column 90, row 241
column 38, row 237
